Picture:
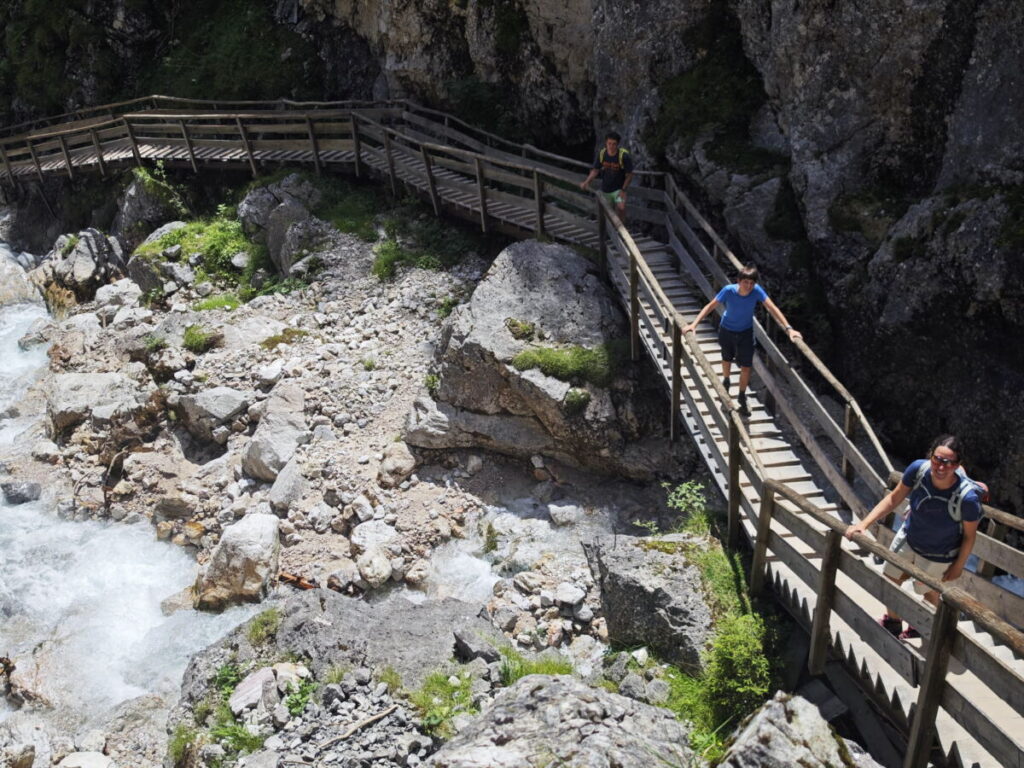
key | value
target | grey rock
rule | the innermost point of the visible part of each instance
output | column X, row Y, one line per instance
column 289, row 487
column 633, row 685
column 568, row 720
column 280, row 432
column 15, row 286
column 210, row 408
column 788, row 730
column 473, row 643
column 140, row 208
column 398, row 464
column 247, row 694
column 651, row 598
column 280, row 222
column 86, row 261
column 121, row 293
column 21, row 493
column 372, row 534
column 242, row 564
column 86, row 760
column 374, row 566
column 569, row 594
column 71, row 397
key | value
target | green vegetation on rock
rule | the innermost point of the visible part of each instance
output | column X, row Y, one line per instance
column 515, row 666
column 439, row 699
column 287, row 336
column 198, row 340
column 263, row 626
column 228, row 301
column 596, row 365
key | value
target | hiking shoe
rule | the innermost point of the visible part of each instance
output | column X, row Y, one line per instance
column 743, row 404
column 909, row 633
column 893, row 626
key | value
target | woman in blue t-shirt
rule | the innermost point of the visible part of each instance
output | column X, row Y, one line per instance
column 938, row 544
column 736, row 329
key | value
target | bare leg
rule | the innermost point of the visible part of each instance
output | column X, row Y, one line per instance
column 621, row 208
column 744, row 378
column 932, row 597
column 726, row 368
column 903, row 577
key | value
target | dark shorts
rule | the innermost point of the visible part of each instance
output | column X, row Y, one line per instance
column 737, row 346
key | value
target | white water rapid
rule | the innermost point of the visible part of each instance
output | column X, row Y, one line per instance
column 80, row 602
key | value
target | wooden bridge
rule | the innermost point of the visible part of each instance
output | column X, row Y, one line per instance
column 794, row 471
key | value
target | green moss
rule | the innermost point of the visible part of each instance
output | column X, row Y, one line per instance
column 908, row 247
column 199, row 340
column 228, row 301
column 576, row 401
column 154, row 343
column 263, row 626
column 438, row 700
column 432, row 383
column 869, row 213
column 596, row 365
column 519, row 329
column 661, row 545
column 157, row 185
column 287, row 336
column 70, row 245
column 515, row 666
column 490, row 538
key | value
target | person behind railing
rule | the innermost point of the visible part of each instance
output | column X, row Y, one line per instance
column 736, row 329
column 615, row 166
column 939, row 544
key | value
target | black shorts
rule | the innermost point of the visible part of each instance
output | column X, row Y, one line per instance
column 737, row 346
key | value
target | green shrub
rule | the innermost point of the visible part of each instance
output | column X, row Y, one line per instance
column 446, row 305
column 574, row 364
column 515, row 666
column 70, row 245
column 387, row 257
column 298, row 697
column 237, row 739
column 216, row 240
column 438, row 700
column 226, row 679
column 737, row 673
column 202, row 710
column 688, row 500
column 433, row 384
column 228, row 301
column 369, row 363
column 154, row 343
column 264, row 626
column 180, row 741
column 519, row 329
column 198, row 340
column 287, row 336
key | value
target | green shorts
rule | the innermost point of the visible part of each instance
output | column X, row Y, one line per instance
column 615, row 198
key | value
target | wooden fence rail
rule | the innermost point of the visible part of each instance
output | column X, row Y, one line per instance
column 793, row 510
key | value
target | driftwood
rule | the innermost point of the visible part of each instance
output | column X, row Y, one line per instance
column 361, row 724
column 299, row 582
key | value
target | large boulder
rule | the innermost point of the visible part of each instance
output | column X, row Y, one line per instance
column 331, row 630
column 82, row 263
column 544, row 720
column 789, row 730
column 537, row 295
column 242, row 564
column 72, row 398
column 281, row 430
column 15, row 287
column 147, row 271
column 145, row 204
column 279, row 216
column 651, row 595
column 204, row 411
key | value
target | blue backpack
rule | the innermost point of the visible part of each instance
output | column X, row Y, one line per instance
column 954, row 505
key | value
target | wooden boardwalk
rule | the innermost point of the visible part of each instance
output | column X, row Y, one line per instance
column 794, row 471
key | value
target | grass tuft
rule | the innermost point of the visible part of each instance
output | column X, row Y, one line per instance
column 228, row 301
column 438, row 700
column 264, row 626
column 596, row 365
column 287, row 336
column 199, row 340
column 515, row 666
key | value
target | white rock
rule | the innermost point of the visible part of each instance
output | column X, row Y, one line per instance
column 242, row 564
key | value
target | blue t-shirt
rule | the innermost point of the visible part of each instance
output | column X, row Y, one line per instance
column 931, row 531
column 739, row 310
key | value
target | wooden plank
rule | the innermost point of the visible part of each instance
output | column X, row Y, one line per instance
column 135, row 144
column 99, row 153
column 311, row 134
column 886, row 592
column 922, row 726
column 431, row 183
column 993, row 736
column 248, row 148
column 35, row 159
column 764, row 520
column 1002, row 679
column 898, row 655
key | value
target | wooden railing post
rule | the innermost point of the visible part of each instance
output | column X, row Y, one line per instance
column 7, row 168
column 315, row 146
column 248, row 147
column 538, row 193
column 188, row 146
column 933, row 680
column 357, row 146
column 482, row 193
column 850, row 430
column 997, row 531
column 764, row 524
column 67, row 157
column 431, row 184
column 634, row 308
column 135, row 144
column 389, row 154
column 99, row 152
column 733, row 539
column 35, row 159
column 602, row 236
column 677, row 380
column 820, row 633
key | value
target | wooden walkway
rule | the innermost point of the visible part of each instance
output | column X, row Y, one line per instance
column 794, row 471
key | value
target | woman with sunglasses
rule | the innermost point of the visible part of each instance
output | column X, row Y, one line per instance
column 938, row 544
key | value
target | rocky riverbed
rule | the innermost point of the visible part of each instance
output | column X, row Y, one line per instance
column 429, row 499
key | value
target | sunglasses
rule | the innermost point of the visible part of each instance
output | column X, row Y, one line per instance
column 944, row 462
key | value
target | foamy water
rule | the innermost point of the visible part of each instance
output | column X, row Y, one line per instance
column 80, row 602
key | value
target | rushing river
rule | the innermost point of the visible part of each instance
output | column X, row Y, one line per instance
column 80, row 602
